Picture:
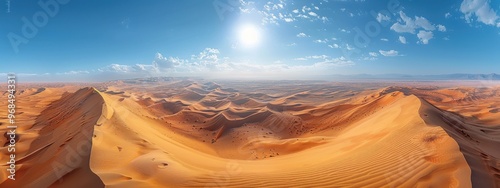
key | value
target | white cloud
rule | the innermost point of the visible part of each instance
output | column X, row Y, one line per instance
column 481, row 10
column 306, row 13
column 334, row 46
column 207, row 64
column 207, row 59
column 441, row 28
column 389, row 53
column 384, row 39
column 381, row 17
column 269, row 12
column 303, row 16
column 318, row 57
column 447, row 15
column 302, row 35
column 424, row 23
column 288, row 19
column 74, row 72
column 326, row 61
column 402, row 39
column 324, row 19
column 163, row 63
column 300, row 59
column 119, row 68
column 425, row 36
column 146, row 68
column 373, row 54
column 305, row 9
column 345, row 31
column 336, row 62
column 269, row 18
column 321, row 41
column 409, row 25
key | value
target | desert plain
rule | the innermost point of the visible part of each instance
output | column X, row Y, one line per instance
column 187, row 132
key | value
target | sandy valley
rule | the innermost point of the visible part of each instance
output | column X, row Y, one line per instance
column 176, row 132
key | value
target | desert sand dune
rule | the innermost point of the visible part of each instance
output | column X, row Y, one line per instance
column 62, row 146
column 311, row 161
column 191, row 133
column 479, row 144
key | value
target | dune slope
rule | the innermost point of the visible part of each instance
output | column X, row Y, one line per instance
column 391, row 147
column 184, row 133
column 59, row 155
column 478, row 143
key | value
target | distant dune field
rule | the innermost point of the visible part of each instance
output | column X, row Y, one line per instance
column 197, row 133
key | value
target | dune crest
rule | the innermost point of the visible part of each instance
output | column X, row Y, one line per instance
column 188, row 133
column 169, row 150
column 59, row 155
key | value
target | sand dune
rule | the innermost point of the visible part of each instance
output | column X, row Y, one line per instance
column 300, row 161
column 191, row 133
column 478, row 136
column 62, row 145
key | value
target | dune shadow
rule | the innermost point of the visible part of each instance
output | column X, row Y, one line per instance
column 60, row 155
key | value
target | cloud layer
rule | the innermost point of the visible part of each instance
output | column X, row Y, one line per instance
column 412, row 25
column 389, row 53
column 209, row 63
column 480, row 10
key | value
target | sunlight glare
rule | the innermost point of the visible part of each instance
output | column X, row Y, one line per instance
column 249, row 35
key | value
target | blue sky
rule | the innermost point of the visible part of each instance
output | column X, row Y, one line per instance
column 80, row 40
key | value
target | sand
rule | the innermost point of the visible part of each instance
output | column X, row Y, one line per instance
column 195, row 133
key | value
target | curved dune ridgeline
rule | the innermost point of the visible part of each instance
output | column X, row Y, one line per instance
column 479, row 143
column 391, row 146
column 186, row 133
column 59, row 154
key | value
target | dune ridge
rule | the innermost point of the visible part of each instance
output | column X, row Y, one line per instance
column 167, row 149
column 478, row 143
column 60, row 150
column 191, row 133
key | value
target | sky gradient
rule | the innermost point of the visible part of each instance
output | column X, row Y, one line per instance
column 103, row 40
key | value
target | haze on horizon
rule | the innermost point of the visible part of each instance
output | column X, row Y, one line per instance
column 277, row 39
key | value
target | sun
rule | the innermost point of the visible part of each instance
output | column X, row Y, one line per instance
column 249, row 35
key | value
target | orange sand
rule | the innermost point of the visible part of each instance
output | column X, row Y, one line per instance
column 192, row 133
